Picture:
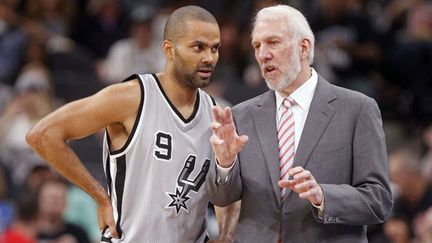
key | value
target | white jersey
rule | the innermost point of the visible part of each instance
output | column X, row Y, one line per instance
column 157, row 181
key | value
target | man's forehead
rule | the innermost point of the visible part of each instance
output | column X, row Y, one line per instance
column 268, row 28
column 267, row 34
column 192, row 24
column 200, row 31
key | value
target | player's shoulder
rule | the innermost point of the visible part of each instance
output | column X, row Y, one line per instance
column 124, row 96
column 135, row 84
column 125, row 89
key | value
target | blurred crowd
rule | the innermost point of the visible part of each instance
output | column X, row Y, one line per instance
column 56, row 51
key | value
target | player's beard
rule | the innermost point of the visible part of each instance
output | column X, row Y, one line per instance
column 290, row 74
column 190, row 78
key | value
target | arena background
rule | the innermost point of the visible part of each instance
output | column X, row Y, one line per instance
column 54, row 51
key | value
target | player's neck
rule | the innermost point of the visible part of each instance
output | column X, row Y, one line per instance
column 183, row 98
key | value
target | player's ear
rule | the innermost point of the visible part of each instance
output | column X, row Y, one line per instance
column 168, row 49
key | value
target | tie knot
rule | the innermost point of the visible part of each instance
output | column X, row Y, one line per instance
column 288, row 102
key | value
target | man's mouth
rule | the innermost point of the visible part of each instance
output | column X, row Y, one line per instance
column 269, row 69
column 205, row 72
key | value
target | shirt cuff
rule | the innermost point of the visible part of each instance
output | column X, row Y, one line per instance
column 320, row 209
column 223, row 172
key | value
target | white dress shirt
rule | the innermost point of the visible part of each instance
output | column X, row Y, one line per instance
column 302, row 97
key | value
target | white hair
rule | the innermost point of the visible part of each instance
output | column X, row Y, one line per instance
column 296, row 23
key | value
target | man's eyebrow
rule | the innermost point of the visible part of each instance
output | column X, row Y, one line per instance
column 205, row 43
column 218, row 44
column 198, row 42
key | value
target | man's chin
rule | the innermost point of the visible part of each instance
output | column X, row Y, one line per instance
column 202, row 82
column 276, row 85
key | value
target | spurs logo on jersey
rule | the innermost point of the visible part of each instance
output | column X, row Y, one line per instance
column 185, row 184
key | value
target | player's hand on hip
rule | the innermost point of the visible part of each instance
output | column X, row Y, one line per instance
column 303, row 182
column 106, row 218
column 225, row 141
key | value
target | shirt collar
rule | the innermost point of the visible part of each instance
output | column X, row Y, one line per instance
column 302, row 95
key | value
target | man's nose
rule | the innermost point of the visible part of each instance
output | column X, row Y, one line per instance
column 264, row 54
column 209, row 57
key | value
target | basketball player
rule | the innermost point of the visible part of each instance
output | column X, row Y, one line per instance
column 156, row 148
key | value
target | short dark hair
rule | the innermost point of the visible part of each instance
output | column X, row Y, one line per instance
column 177, row 20
column 26, row 206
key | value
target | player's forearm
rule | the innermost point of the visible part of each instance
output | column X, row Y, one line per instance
column 52, row 148
column 227, row 218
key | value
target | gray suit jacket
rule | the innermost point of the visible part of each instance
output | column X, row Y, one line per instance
column 342, row 145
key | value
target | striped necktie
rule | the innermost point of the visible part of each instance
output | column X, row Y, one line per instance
column 286, row 137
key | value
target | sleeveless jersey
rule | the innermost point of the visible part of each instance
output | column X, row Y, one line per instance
column 157, row 181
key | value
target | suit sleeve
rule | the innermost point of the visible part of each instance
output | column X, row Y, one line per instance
column 368, row 199
column 224, row 192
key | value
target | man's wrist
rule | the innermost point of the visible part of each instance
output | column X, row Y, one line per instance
column 226, row 165
column 224, row 171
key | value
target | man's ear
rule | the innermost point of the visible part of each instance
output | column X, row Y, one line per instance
column 305, row 46
column 168, row 49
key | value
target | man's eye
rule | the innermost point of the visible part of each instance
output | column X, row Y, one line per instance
column 198, row 47
column 274, row 42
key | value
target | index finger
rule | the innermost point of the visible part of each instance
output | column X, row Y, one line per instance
column 228, row 116
column 217, row 114
column 295, row 170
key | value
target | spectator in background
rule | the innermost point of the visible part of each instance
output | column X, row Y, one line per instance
column 24, row 227
column 6, row 207
column 427, row 158
column 414, row 77
column 37, row 176
column 346, row 50
column 52, row 198
column 397, row 230
column 413, row 194
column 55, row 16
column 32, row 101
column 104, row 23
column 140, row 53
column 423, row 227
column 12, row 43
column 80, row 210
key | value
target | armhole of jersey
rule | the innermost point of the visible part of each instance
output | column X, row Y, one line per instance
column 137, row 119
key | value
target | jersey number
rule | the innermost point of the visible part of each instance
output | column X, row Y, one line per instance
column 164, row 146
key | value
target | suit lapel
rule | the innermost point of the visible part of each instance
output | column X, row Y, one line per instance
column 319, row 116
column 265, row 123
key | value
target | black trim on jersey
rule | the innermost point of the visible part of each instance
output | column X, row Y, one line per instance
column 137, row 119
column 119, row 187
column 108, row 175
column 103, row 237
column 196, row 106
column 213, row 100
